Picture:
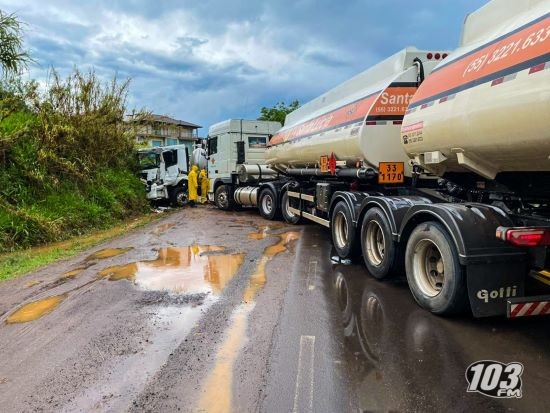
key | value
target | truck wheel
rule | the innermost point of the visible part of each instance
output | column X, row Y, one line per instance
column 289, row 216
column 267, row 204
column 178, row 197
column 343, row 231
column 222, row 198
column 377, row 246
column 435, row 276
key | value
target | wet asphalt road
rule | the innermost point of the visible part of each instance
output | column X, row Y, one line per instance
column 217, row 312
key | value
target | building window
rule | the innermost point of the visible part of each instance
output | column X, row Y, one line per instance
column 171, row 141
column 156, row 143
column 257, row 141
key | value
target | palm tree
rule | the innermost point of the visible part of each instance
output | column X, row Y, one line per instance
column 13, row 58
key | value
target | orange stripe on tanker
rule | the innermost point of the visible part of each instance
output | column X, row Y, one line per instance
column 393, row 102
column 524, row 45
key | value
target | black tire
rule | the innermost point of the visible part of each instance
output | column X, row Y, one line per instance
column 267, row 204
column 178, row 196
column 288, row 216
column 344, row 235
column 379, row 250
column 435, row 276
column 223, row 198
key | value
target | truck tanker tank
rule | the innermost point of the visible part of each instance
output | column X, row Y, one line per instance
column 359, row 120
column 486, row 107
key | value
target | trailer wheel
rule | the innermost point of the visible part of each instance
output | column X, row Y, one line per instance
column 267, row 204
column 222, row 198
column 178, row 197
column 379, row 250
column 343, row 231
column 289, row 216
column 435, row 276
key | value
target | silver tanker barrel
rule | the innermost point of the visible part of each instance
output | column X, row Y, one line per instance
column 485, row 108
column 358, row 121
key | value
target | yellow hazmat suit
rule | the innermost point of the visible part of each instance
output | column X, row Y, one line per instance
column 205, row 186
column 192, row 184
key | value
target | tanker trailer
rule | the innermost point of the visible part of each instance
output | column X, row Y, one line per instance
column 480, row 122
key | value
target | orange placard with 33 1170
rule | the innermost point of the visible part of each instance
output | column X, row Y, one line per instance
column 391, row 172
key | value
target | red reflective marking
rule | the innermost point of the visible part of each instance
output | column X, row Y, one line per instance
column 497, row 81
column 545, row 309
column 516, row 310
column 532, row 307
column 537, row 68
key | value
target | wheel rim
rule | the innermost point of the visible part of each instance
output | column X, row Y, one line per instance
column 341, row 229
column 429, row 268
column 290, row 214
column 180, row 198
column 222, row 199
column 376, row 243
column 267, row 204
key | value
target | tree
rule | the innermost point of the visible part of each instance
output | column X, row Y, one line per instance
column 278, row 112
column 13, row 58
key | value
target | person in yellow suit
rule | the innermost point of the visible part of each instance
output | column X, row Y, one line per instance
column 205, row 186
column 192, row 185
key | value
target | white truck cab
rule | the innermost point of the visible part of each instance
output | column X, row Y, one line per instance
column 232, row 143
column 163, row 170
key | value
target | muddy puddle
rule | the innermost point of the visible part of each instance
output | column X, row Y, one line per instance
column 217, row 390
column 33, row 283
column 72, row 273
column 35, row 310
column 107, row 253
column 259, row 278
column 263, row 232
column 161, row 229
column 184, row 270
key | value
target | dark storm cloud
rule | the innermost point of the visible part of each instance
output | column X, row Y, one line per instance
column 208, row 60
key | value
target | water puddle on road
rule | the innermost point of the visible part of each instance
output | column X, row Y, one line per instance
column 187, row 270
column 263, row 232
column 72, row 273
column 217, row 394
column 36, row 309
column 107, row 253
column 259, row 278
column 33, row 283
column 161, row 229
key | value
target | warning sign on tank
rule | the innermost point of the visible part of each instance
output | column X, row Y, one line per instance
column 323, row 164
column 391, row 173
column 412, row 133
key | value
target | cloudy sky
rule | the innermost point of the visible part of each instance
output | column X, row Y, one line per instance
column 207, row 60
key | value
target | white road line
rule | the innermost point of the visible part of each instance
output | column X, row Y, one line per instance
column 312, row 270
column 303, row 395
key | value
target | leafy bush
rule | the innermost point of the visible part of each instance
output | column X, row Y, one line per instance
column 66, row 159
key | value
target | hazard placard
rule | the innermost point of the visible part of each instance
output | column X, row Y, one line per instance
column 391, row 173
column 323, row 164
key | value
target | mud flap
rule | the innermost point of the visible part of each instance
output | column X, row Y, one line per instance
column 491, row 284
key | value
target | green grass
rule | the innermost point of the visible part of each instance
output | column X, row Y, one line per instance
column 17, row 263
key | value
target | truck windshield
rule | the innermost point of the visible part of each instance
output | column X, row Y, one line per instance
column 149, row 160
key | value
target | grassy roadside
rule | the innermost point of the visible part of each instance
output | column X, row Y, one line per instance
column 15, row 264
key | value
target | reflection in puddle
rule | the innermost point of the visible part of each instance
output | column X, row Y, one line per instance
column 107, row 253
column 163, row 228
column 181, row 270
column 73, row 273
column 263, row 232
column 217, row 396
column 36, row 309
column 258, row 279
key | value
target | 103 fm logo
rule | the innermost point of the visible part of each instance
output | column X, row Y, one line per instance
column 495, row 379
